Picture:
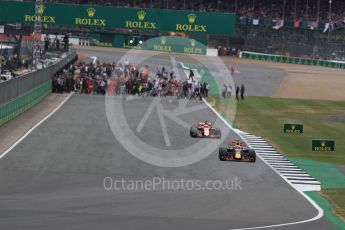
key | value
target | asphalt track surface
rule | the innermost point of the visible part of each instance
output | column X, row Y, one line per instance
column 259, row 80
column 54, row 178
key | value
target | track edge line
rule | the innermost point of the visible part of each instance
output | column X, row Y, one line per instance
column 3, row 154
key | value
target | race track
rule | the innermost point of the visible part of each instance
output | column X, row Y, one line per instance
column 54, row 178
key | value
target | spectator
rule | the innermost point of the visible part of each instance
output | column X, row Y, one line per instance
column 191, row 74
column 66, row 42
column 228, row 92
column 57, row 42
column 225, row 90
column 237, row 91
column 46, row 43
column 242, row 92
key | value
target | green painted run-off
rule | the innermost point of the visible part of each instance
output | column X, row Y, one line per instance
column 326, row 173
column 327, row 208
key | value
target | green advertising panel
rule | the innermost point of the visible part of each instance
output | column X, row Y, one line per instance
column 293, row 128
column 323, row 145
column 24, row 102
column 114, row 18
column 293, row 60
column 171, row 44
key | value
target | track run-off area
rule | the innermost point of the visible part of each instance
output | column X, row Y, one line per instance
column 76, row 170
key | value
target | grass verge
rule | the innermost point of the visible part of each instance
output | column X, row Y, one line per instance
column 328, row 209
column 265, row 117
column 337, row 198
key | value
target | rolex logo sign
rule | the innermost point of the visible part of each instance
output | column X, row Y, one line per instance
column 193, row 42
column 90, row 21
column 163, row 40
column 191, row 18
column 140, row 22
column 40, row 9
column 293, row 128
column 141, row 15
column 191, row 47
column 162, row 44
column 191, row 27
column 91, row 12
column 323, row 145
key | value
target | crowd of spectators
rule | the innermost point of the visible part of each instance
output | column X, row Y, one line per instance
column 311, row 10
column 56, row 42
column 84, row 78
column 126, row 79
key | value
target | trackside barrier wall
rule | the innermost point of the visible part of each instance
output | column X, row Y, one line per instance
column 24, row 83
column 24, row 102
column 22, row 93
column 292, row 60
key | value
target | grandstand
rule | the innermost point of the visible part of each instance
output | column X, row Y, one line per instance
column 296, row 28
column 312, row 10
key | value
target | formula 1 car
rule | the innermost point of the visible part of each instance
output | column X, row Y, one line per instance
column 204, row 129
column 237, row 151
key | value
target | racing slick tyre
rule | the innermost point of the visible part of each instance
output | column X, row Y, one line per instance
column 193, row 131
column 222, row 153
column 218, row 133
column 252, row 155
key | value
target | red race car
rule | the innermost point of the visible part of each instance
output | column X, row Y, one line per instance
column 237, row 151
column 204, row 129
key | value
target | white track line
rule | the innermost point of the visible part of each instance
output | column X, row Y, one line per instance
column 319, row 210
column 147, row 114
column 94, row 59
column 175, row 68
column 159, row 108
column 296, row 175
column 33, row 128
